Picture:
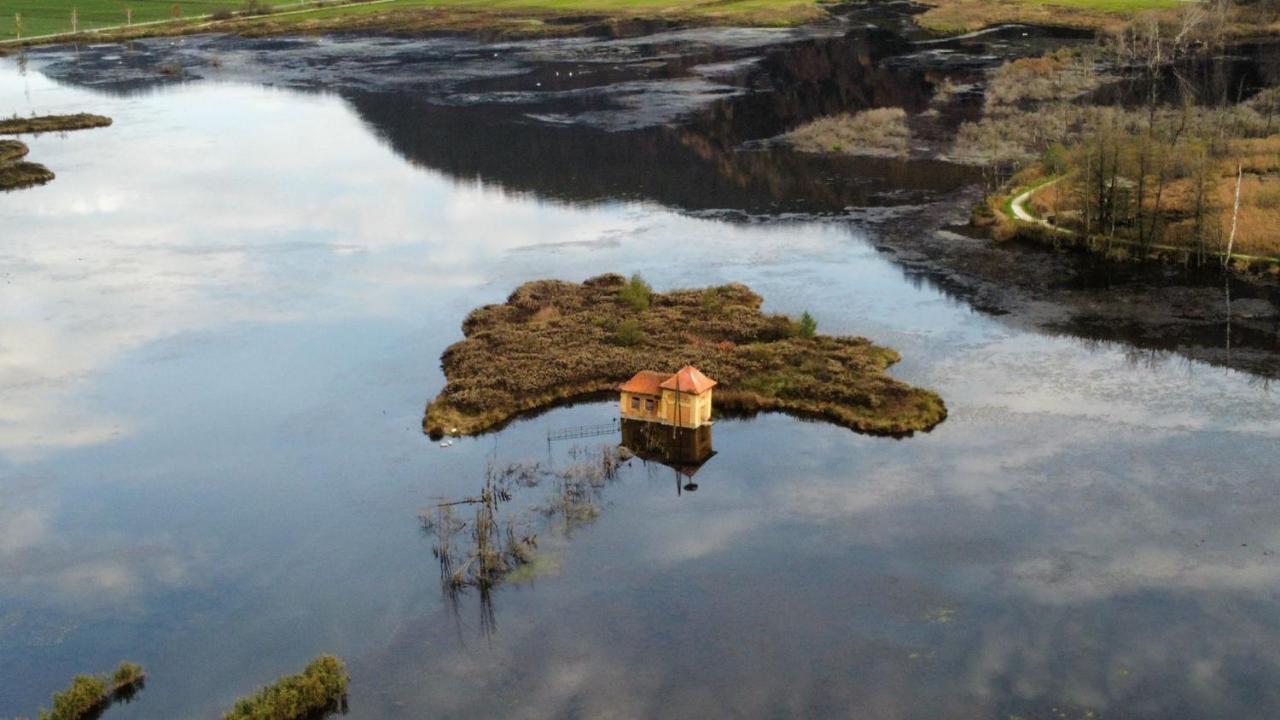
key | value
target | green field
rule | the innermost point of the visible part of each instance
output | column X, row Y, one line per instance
column 44, row 17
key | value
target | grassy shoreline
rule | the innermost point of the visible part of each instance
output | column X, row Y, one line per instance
column 554, row 342
column 51, row 21
column 57, row 21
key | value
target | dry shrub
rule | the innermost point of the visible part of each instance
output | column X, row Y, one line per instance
column 880, row 132
column 1267, row 196
column 545, row 314
column 1059, row 76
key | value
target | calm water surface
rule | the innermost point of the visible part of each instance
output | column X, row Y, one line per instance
column 219, row 327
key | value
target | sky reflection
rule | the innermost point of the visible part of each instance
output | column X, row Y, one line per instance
column 219, row 327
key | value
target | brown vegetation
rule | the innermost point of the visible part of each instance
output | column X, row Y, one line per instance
column 52, row 123
column 509, row 364
column 486, row 550
column 16, row 173
column 11, row 150
column 879, row 132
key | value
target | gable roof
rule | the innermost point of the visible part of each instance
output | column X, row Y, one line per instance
column 688, row 380
column 645, row 382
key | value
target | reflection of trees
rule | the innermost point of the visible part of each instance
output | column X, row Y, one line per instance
column 500, row 539
column 700, row 164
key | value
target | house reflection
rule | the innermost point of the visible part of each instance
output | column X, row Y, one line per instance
column 684, row 450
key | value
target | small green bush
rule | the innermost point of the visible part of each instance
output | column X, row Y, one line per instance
column 628, row 333
column 127, row 673
column 1267, row 197
column 712, row 302
column 321, row 685
column 86, row 693
column 807, row 327
column 1055, row 159
column 636, row 292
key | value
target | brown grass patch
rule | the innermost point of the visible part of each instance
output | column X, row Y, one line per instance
column 509, row 364
column 880, row 132
column 52, row 123
column 22, row 174
column 11, row 150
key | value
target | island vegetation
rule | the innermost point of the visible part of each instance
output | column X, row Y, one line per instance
column 879, row 132
column 555, row 341
column 51, row 123
column 90, row 694
column 321, row 687
column 16, row 173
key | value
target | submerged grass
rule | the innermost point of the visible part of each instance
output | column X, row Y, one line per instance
column 320, row 687
column 511, row 362
column 500, row 544
column 52, row 123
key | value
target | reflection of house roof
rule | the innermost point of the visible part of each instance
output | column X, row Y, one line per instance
column 690, row 379
column 645, row 382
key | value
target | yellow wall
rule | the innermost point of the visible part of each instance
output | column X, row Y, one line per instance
column 624, row 405
column 694, row 411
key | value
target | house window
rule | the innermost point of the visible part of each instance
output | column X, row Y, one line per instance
column 635, row 403
column 649, row 406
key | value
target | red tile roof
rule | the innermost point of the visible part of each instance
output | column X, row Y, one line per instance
column 689, row 380
column 645, row 382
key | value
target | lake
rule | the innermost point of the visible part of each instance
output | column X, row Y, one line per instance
column 221, row 323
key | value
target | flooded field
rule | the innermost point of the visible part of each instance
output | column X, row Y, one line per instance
column 221, row 323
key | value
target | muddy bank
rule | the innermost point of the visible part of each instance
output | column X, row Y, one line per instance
column 1158, row 310
column 685, row 118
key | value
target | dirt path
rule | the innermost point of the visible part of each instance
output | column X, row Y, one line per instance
column 1019, row 206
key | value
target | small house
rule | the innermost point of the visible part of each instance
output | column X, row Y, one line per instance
column 681, row 400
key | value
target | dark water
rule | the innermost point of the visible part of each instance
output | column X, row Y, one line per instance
column 220, row 325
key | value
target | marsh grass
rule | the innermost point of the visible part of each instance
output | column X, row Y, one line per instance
column 22, row 174
column 11, row 150
column 16, row 173
column 88, row 695
column 958, row 16
column 509, row 365
column 52, row 123
column 320, row 687
column 879, row 132
column 498, row 541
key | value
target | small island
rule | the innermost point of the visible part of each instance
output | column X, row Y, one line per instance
column 554, row 342
column 17, row 125
column 16, row 173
